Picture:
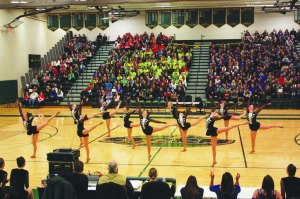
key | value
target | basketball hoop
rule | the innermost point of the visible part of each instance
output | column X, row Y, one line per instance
column 12, row 25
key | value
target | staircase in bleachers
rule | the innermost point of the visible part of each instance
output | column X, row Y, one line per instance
column 199, row 70
column 85, row 78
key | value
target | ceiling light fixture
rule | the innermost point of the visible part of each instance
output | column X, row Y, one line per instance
column 18, row 2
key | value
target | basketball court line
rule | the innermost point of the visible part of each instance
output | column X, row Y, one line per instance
column 241, row 141
column 40, row 140
column 149, row 162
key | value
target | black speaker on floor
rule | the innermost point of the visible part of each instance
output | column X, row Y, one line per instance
column 62, row 160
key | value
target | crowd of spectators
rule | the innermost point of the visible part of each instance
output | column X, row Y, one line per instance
column 262, row 67
column 144, row 66
column 75, row 185
column 53, row 84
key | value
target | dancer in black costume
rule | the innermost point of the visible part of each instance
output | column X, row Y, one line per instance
column 223, row 109
column 83, row 133
column 107, row 115
column 129, row 124
column 181, row 118
column 147, row 129
column 213, row 132
column 254, row 125
column 33, row 129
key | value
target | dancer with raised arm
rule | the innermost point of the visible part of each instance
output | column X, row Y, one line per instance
column 83, row 133
column 147, row 129
column 223, row 109
column 254, row 125
column 107, row 115
column 129, row 124
column 75, row 110
column 183, row 125
column 33, row 129
column 213, row 132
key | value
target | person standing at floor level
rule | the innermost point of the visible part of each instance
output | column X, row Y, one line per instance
column 33, row 129
column 213, row 132
column 254, row 125
column 147, row 129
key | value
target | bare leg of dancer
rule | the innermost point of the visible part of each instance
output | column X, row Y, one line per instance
column 34, row 143
column 129, row 131
column 254, row 133
column 36, row 136
column 214, row 140
column 86, row 140
column 148, row 141
column 108, row 127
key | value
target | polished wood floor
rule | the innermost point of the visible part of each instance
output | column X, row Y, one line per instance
column 276, row 148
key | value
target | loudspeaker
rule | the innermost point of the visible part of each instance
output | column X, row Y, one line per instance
column 62, row 160
column 34, row 61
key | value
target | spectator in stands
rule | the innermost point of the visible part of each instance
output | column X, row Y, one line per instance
column 41, row 98
column 78, row 179
column 35, row 81
column 3, row 177
column 191, row 189
column 114, row 176
column 53, row 95
column 33, row 98
column 290, row 185
column 26, row 97
column 60, row 95
column 156, row 189
column 267, row 190
column 226, row 189
column 19, row 179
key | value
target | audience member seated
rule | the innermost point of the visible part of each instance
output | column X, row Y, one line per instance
column 3, row 178
column 226, row 189
column 290, row 186
column 78, row 180
column 155, row 189
column 191, row 189
column 110, row 190
column 114, row 176
column 41, row 99
column 58, row 188
column 267, row 190
column 33, row 98
column 19, row 180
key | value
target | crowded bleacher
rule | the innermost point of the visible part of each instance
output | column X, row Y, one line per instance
column 53, row 84
column 262, row 67
column 144, row 66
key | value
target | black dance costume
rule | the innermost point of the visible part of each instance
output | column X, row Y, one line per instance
column 147, row 129
column 210, row 129
column 75, row 112
column 181, row 120
column 28, row 123
column 174, row 112
column 126, row 117
column 224, row 113
column 105, row 114
column 253, row 124
column 80, row 127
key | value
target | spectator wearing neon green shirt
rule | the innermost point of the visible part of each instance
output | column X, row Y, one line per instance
column 124, row 81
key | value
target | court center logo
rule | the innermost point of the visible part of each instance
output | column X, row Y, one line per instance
column 297, row 139
column 167, row 141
